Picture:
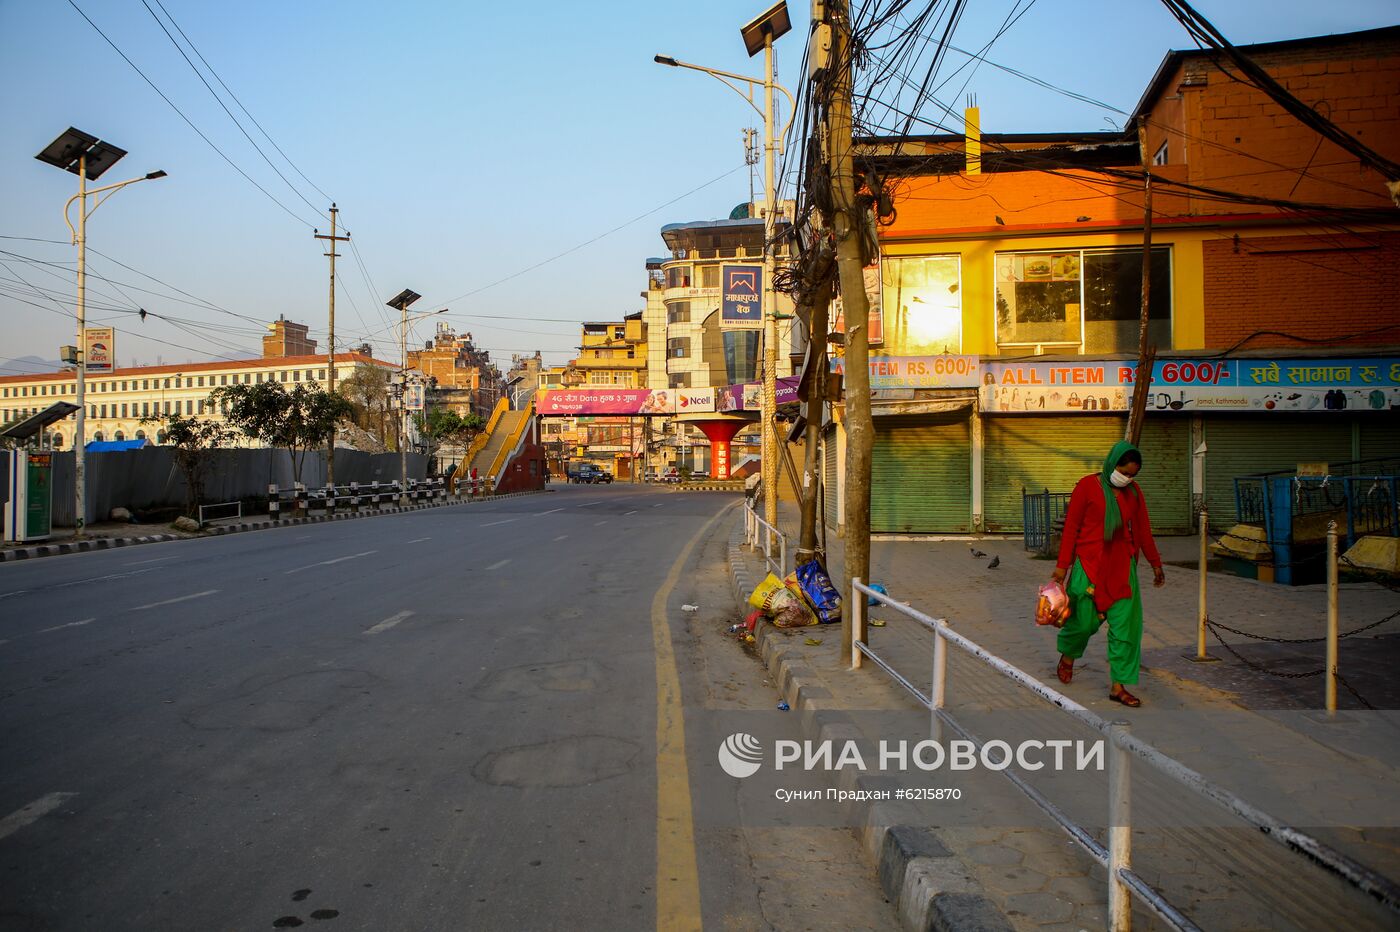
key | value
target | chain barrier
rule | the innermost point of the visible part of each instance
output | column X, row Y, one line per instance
column 1256, row 666
column 1356, row 695
column 1264, row 637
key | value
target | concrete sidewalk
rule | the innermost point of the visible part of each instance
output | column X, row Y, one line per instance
column 1235, row 725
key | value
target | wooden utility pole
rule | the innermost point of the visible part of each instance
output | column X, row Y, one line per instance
column 330, row 339
column 816, row 405
column 846, row 224
column 1142, row 381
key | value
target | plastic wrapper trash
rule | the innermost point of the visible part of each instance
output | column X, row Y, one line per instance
column 1051, row 605
column 819, row 592
column 782, row 603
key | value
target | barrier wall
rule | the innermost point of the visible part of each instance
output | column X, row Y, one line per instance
column 151, row 479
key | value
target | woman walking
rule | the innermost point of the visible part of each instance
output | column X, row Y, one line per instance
column 1105, row 528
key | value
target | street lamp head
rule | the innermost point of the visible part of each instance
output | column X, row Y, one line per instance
column 773, row 23
column 666, row 60
column 76, row 148
column 403, row 299
column 158, row 173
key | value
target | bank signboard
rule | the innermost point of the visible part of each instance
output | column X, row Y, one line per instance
column 741, row 297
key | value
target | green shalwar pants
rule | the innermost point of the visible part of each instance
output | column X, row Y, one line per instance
column 1124, row 619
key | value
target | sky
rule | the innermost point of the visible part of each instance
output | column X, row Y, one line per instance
column 512, row 163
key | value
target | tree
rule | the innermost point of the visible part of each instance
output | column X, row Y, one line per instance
column 439, row 426
column 372, row 408
column 194, row 440
column 295, row 420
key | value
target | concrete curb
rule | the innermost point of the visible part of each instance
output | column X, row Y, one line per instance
column 109, row 543
column 930, row 887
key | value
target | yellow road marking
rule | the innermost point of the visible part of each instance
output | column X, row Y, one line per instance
column 677, row 873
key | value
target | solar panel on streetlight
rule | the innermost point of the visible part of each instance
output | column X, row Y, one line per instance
column 774, row 21
column 65, row 152
column 403, row 299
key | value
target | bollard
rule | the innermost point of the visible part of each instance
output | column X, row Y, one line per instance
column 1120, row 831
column 1202, row 615
column 355, row 497
column 299, row 494
column 274, row 503
column 1331, row 618
column 857, row 621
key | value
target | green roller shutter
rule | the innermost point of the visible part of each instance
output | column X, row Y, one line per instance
column 1247, row 445
column 1039, row 453
column 1166, row 472
column 921, row 473
column 1380, row 437
column 829, row 478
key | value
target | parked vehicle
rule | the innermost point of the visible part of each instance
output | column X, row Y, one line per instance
column 589, row 473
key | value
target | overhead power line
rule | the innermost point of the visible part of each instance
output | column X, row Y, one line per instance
column 187, row 120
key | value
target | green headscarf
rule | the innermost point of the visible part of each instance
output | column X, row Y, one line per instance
column 1112, row 517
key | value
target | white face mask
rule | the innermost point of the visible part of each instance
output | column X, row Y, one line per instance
column 1119, row 480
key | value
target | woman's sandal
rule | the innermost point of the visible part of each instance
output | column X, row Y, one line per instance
column 1126, row 698
column 1065, row 670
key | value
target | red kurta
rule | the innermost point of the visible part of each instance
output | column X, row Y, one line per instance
column 1106, row 563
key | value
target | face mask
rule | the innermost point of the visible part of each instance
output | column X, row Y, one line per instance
column 1119, row 480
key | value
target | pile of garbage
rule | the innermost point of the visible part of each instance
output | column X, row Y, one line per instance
column 805, row 597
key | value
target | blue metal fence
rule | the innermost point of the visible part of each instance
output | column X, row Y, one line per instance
column 1041, row 513
column 1362, row 497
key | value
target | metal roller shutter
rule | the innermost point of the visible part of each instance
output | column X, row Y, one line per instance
column 921, row 475
column 1039, row 453
column 1251, row 444
column 1380, row 438
column 829, row 479
column 1166, row 472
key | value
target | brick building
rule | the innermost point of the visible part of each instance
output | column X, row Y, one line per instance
column 1273, row 303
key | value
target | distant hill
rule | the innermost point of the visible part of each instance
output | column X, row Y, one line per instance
column 26, row 365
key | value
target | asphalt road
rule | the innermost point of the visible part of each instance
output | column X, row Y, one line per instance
column 446, row 719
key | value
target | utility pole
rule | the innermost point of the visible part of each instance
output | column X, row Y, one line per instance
column 846, row 224
column 330, row 350
column 1142, row 381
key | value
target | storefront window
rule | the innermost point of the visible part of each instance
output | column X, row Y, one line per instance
column 741, row 355
column 922, row 303
column 1081, row 300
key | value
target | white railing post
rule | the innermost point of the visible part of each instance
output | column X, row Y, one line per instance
column 782, row 555
column 857, row 622
column 1120, row 831
column 940, row 679
column 274, row 502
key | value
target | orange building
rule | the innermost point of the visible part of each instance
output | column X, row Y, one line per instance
column 1023, row 253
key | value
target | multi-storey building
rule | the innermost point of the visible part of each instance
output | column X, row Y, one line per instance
column 118, row 401
column 613, row 353
column 1272, row 300
column 461, row 374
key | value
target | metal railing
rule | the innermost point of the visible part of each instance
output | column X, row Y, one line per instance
column 1041, row 511
column 754, row 528
column 1117, row 855
column 300, row 500
column 238, row 513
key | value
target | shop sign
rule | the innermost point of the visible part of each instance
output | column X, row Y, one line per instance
column 1194, row 385
column 943, row 371
column 99, row 350
column 690, row 400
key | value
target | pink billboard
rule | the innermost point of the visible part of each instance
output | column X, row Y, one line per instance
column 569, row 402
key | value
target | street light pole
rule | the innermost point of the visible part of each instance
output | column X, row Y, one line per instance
column 88, row 157
column 80, row 429
column 759, row 34
column 770, row 309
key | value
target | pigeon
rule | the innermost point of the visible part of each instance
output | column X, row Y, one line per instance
column 996, row 561
column 976, row 554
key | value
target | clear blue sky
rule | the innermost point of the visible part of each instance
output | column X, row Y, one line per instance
column 463, row 142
